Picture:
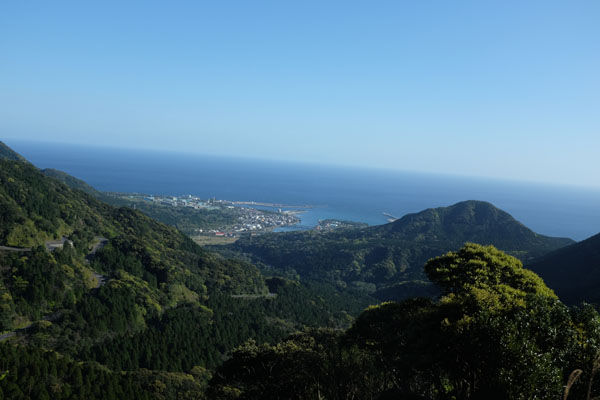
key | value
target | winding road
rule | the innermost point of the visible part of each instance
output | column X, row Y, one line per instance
column 8, row 248
column 100, row 243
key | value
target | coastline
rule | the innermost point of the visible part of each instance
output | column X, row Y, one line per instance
column 350, row 194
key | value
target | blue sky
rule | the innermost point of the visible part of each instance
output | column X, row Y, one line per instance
column 506, row 89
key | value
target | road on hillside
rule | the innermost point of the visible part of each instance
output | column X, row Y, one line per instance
column 101, row 242
column 51, row 317
column 7, row 335
column 8, row 248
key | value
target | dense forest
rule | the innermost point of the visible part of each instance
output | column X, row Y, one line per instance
column 497, row 332
column 104, row 302
column 127, row 293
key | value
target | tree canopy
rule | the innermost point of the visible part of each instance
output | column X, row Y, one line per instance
column 485, row 274
column 497, row 332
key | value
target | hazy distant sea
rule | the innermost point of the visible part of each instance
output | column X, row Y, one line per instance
column 342, row 193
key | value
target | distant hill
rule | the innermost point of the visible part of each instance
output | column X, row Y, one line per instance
column 71, row 181
column 6, row 153
column 472, row 221
column 573, row 271
column 388, row 259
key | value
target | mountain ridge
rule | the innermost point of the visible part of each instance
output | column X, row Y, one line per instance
column 378, row 257
column 469, row 218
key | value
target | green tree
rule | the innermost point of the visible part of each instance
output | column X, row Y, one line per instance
column 485, row 277
column 312, row 365
column 497, row 332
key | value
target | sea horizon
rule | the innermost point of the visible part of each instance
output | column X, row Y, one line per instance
column 338, row 192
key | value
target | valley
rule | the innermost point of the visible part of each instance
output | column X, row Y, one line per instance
column 122, row 297
column 299, row 200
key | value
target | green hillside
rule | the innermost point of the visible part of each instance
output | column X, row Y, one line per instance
column 147, row 255
column 573, row 271
column 114, row 289
column 103, row 302
column 387, row 259
column 476, row 221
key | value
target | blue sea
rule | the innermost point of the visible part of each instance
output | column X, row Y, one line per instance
column 342, row 193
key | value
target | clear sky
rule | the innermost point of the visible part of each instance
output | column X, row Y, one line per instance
column 507, row 89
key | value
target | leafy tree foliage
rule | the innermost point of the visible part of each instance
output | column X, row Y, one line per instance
column 38, row 374
column 485, row 276
column 314, row 365
column 38, row 283
column 496, row 333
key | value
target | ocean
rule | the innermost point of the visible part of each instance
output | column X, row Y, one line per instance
column 353, row 194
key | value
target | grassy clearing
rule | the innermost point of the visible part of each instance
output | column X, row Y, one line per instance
column 203, row 240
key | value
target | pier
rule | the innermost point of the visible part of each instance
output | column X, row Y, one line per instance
column 390, row 217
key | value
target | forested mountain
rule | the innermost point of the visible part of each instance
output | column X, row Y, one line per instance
column 102, row 302
column 474, row 221
column 37, row 209
column 388, row 259
column 573, row 271
column 113, row 288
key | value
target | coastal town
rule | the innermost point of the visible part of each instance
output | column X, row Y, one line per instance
column 222, row 218
column 255, row 220
column 216, row 221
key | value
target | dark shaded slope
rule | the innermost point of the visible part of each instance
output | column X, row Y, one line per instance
column 573, row 272
column 388, row 257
